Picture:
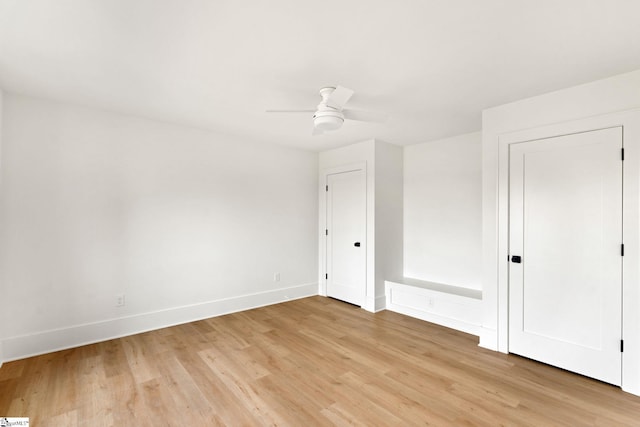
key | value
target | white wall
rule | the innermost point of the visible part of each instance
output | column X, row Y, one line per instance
column 186, row 223
column 389, row 218
column 443, row 211
column 354, row 153
column 3, row 321
column 384, row 213
column 610, row 102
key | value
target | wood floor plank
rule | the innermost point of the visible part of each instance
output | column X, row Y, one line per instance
column 227, row 409
column 314, row 361
column 242, row 390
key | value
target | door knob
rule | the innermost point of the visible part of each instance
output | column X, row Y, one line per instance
column 356, row 244
column 516, row 259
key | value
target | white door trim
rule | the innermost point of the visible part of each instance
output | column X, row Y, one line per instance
column 630, row 122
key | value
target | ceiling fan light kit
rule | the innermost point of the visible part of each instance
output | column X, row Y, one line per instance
column 328, row 120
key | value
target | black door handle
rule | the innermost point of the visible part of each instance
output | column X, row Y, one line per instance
column 516, row 259
column 356, row 244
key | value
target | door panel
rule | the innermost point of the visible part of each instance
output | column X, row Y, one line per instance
column 566, row 224
column 346, row 246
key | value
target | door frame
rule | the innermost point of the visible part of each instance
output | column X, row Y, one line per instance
column 354, row 292
column 322, row 226
column 630, row 123
column 605, row 362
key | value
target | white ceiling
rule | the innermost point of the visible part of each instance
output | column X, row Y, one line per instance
column 431, row 65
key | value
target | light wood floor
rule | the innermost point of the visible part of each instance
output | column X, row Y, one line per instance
column 314, row 361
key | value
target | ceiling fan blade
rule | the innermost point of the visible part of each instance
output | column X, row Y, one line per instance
column 339, row 97
column 290, row 111
column 364, row 116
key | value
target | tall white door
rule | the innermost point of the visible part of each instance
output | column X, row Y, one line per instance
column 346, row 236
column 565, row 269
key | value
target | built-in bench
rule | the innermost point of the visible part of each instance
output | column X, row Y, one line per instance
column 446, row 305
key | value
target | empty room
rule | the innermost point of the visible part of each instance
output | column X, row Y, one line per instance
column 337, row 213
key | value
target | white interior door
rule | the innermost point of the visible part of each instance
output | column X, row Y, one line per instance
column 565, row 219
column 346, row 234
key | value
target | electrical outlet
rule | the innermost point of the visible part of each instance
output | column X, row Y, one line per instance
column 120, row 300
column 276, row 277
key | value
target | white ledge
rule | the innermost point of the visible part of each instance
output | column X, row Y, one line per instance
column 440, row 287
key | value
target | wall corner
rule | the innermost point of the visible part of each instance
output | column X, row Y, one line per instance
column 2, row 297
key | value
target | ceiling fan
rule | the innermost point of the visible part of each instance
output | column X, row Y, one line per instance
column 330, row 114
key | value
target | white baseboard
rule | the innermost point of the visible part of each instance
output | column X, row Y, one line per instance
column 1, row 354
column 380, row 303
column 454, row 311
column 489, row 339
column 44, row 342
